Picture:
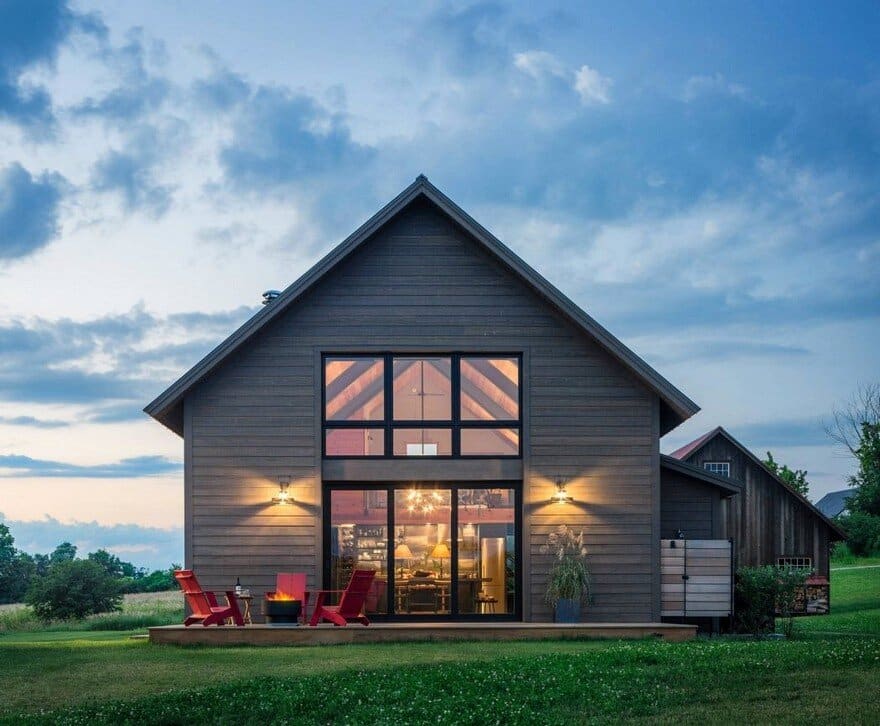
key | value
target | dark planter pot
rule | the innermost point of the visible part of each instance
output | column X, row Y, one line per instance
column 282, row 612
column 567, row 611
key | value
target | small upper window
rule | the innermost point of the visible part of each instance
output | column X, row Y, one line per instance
column 721, row 468
column 795, row 563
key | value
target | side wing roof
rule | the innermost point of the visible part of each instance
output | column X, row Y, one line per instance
column 692, row 448
column 728, row 487
column 167, row 408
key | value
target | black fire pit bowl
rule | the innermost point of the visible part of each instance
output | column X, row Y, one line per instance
column 282, row 612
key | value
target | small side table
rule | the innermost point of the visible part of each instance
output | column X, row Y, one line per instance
column 246, row 610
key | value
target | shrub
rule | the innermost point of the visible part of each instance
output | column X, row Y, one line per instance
column 862, row 533
column 73, row 589
column 761, row 593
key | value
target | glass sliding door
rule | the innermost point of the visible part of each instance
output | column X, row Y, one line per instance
column 439, row 550
column 487, row 562
column 422, row 551
column 358, row 539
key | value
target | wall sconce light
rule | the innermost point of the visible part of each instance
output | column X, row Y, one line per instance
column 283, row 496
column 561, row 495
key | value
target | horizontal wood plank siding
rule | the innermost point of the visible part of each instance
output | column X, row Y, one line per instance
column 422, row 284
column 690, row 506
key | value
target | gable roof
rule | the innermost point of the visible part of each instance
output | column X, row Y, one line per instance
column 729, row 487
column 675, row 406
column 692, row 448
column 833, row 503
column 685, row 451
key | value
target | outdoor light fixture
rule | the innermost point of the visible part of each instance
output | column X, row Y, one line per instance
column 561, row 496
column 283, row 496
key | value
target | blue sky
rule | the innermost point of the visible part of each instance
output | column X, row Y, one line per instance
column 701, row 177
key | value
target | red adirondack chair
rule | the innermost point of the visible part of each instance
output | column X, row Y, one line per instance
column 351, row 604
column 291, row 586
column 205, row 608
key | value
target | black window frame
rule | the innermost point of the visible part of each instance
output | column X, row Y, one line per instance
column 392, row 615
column 455, row 424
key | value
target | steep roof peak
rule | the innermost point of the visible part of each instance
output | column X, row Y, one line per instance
column 683, row 452
column 675, row 405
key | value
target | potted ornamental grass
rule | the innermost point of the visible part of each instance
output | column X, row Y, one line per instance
column 568, row 583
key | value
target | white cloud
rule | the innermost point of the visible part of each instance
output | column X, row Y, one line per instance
column 539, row 63
column 592, row 86
column 697, row 86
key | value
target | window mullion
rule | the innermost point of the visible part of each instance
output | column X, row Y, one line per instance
column 389, row 405
column 455, row 375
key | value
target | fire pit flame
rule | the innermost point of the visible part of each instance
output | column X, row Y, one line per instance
column 280, row 596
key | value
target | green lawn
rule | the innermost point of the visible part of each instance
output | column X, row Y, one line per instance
column 103, row 677
column 855, row 604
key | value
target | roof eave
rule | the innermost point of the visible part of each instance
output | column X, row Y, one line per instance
column 677, row 401
column 729, row 487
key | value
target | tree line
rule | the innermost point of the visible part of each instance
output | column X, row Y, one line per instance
column 23, row 575
column 856, row 427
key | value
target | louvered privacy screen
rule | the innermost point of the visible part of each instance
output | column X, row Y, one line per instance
column 696, row 578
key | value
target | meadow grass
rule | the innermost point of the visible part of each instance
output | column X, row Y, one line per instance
column 842, row 556
column 140, row 610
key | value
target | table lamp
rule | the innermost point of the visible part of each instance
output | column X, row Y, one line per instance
column 441, row 552
column 403, row 552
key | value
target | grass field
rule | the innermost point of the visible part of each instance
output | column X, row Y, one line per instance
column 142, row 610
column 105, row 677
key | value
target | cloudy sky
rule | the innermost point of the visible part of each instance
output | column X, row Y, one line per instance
column 703, row 178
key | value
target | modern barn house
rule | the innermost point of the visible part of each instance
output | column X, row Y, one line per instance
column 424, row 404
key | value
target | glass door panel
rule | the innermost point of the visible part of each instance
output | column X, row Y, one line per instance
column 359, row 540
column 486, row 551
column 422, row 551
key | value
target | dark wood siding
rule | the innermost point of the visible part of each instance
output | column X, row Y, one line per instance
column 766, row 521
column 690, row 506
column 422, row 284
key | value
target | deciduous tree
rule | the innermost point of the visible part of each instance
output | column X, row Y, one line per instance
column 795, row 478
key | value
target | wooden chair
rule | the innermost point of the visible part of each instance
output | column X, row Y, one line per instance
column 485, row 602
column 291, row 586
column 351, row 604
column 203, row 604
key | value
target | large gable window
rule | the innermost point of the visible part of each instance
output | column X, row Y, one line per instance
column 454, row 405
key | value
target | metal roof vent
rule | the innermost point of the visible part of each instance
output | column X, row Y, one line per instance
column 270, row 295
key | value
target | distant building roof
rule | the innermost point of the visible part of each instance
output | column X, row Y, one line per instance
column 833, row 503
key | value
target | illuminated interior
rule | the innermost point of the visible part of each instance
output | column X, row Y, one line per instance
column 425, row 568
